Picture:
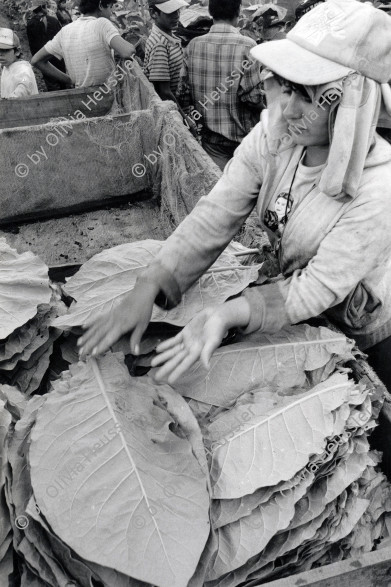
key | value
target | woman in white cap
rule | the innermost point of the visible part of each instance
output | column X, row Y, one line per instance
column 17, row 76
column 317, row 147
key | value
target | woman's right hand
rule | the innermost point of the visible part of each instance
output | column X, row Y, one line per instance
column 132, row 314
column 199, row 339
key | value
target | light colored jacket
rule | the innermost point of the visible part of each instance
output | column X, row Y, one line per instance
column 335, row 254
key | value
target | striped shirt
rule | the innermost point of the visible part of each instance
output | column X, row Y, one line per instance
column 163, row 58
column 222, row 81
column 85, row 47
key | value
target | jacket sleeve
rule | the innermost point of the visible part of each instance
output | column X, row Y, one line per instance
column 204, row 234
column 358, row 243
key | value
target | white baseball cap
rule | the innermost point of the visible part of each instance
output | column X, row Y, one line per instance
column 168, row 6
column 8, row 39
column 331, row 41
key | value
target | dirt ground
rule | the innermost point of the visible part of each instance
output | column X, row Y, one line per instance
column 76, row 238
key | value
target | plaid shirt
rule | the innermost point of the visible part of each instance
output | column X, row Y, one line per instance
column 222, row 81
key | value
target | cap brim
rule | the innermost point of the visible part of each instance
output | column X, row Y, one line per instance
column 172, row 6
column 2, row 46
column 297, row 64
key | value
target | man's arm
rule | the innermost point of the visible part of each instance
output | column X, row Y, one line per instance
column 163, row 89
column 183, row 93
column 41, row 61
column 122, row 47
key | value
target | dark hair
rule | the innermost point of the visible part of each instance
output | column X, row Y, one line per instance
column 298, row 88
column 86, row 6
column 224, row 10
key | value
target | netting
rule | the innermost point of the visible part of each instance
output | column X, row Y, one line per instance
column 141, row 145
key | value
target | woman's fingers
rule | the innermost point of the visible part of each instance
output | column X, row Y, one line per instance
column 99, row 338
column 171, row 342
column 213, row 340
column 165, row 371
column 182, row 368
column 167, row 355
column 136, row 337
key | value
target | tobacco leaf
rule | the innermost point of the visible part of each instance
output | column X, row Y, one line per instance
column 241, row 540
column 105, row 279
column 280, row 360
column 278, row 440
column 24, row 285
column 329, row 488
column 105, row 462
column 40, row 337
column 5, row 525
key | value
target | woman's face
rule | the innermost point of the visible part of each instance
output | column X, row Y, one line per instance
column 280, row 207
column 307, row 121
column 7, row 57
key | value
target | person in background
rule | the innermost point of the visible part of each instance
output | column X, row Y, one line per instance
column 164, row 54
column 86, row 47
column 41, row 28
column 222, row 82
column 17, row 77
column 63, row 16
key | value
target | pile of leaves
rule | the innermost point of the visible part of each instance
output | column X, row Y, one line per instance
column 253, row 470
column 28, row 306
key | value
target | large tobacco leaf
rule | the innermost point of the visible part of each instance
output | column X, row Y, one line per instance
column 105, row 279
column 280, row 360
column 24, row 285
column 108, row 459
column 226, row 511
column 277, row 441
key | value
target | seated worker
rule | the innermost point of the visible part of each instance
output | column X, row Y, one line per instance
column 222, row 82
column 164, row 54
column 318, row 145
column 17, row 76
column 85, row 45
column 40, row 29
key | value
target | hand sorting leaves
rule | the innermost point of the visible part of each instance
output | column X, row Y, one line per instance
column 133, row 314
column 199, row 339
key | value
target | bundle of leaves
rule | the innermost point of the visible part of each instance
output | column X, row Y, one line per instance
column 111, row 479
column 28, row 305
column 255, row 469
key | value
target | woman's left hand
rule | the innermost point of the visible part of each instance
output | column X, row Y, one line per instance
column 199, row 339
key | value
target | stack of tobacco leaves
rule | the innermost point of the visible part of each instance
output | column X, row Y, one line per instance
column 255, row 469
column 294, row 483
column 28, row 305
column 107, row 459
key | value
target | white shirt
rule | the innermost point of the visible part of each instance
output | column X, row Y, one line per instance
column 18, row 80
column 85, row 47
